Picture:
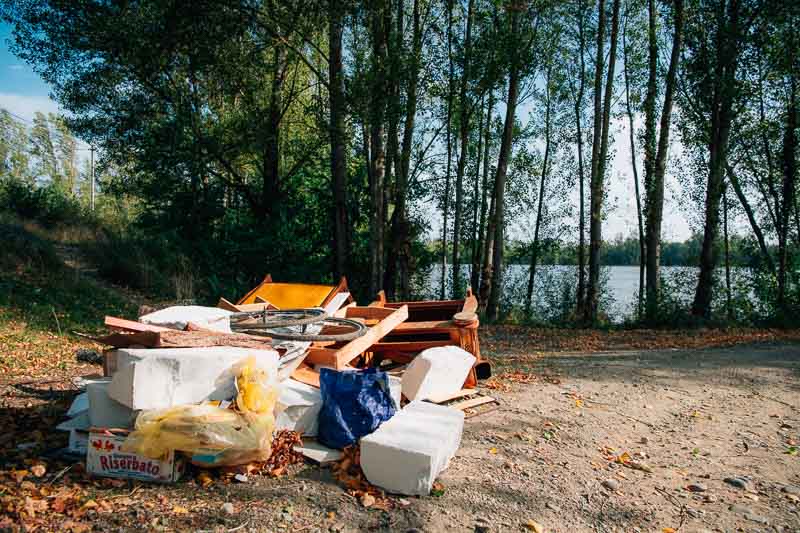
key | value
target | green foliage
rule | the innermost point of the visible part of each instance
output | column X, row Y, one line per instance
column 49, row 205
column 36, row 285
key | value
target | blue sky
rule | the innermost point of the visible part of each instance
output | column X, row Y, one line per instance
column 22, row 91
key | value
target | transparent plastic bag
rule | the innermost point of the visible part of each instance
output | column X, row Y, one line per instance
column 212, row 435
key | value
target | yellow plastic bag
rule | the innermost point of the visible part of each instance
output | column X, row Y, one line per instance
column 212, row 435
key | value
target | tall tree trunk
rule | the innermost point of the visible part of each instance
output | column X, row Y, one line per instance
column 721, row 119
column 581, row 291
column 655, row 191
column 496, row 286
column 631, row 131
column 728, row 300
column 787, row 193
column 540, row 200
column 475, row 262
column 486, row 233
column 762, row 244
column 380, row 12
column 464, row 115
column 272, row 141
column 446, row 198
column 596, row 220
column 400, row 253
column 341, row 233
column 393, row 165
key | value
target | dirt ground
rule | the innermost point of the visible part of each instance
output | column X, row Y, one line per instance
column 564, row 450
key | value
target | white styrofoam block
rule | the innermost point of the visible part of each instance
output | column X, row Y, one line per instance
column 319, row 453
column 105, row 412
column 396, row 390
column 79, row 405
column 406, row 453
column 301, row 404
column 437, row 371
column 165, row 377
column 176, row 317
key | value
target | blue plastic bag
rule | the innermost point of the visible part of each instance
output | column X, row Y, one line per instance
column 354, row 404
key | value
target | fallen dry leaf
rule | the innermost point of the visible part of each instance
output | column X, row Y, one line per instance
column 533, row 525
column 38, row 470
column 180, row 510
column 367, row 500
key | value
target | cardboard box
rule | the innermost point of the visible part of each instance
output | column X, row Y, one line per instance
column 104, row 458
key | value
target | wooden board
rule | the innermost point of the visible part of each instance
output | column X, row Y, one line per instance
column 228, row 306
column 339, row 358
column 121, row 324
column 183, row 339
column 409, row 346
column 447, row 397
column 472, row 402
column 306, row 374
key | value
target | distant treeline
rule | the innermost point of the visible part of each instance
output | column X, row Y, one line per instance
column 625, row 252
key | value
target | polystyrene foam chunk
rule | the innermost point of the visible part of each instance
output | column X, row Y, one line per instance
column 440, row 371
column 406, row 453
column 301, row 404
column 178, row 316
column 396, row 390
column 165, row 377
column 105, row 412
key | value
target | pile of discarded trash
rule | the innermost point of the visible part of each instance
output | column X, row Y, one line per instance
column 211, row 385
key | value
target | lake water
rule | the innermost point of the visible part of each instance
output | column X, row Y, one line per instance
column 555, row 287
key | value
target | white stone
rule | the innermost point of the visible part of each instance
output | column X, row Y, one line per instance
column 105, row 412
column 166, row 377
column 301, row 404
column 178, row 316
column 437, row 371
column 406, row 453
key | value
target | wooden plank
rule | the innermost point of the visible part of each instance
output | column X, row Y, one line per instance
column 470, row 305
column 183, row 339
column 374, row 313
column 425, row 304
column 447, row 397
column 342, row 311
column 409, row 346
column 307, row 375
column 423, row 326
column 228, row 306
column 472, row 402
column 129, row 325
column 374, row 334
column 322, row 356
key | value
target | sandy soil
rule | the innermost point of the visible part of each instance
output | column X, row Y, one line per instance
column 694, row 417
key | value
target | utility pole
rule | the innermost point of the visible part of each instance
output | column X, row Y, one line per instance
column 91, row 173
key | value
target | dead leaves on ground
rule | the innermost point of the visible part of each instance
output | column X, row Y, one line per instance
column 348, row 472
column 502, row 382
column 520, row 339
column 625, row 459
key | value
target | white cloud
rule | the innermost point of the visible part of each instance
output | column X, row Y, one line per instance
column 16, row 67
column 26, row 106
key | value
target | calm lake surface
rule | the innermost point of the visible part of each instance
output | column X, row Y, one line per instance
column 556, row 284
